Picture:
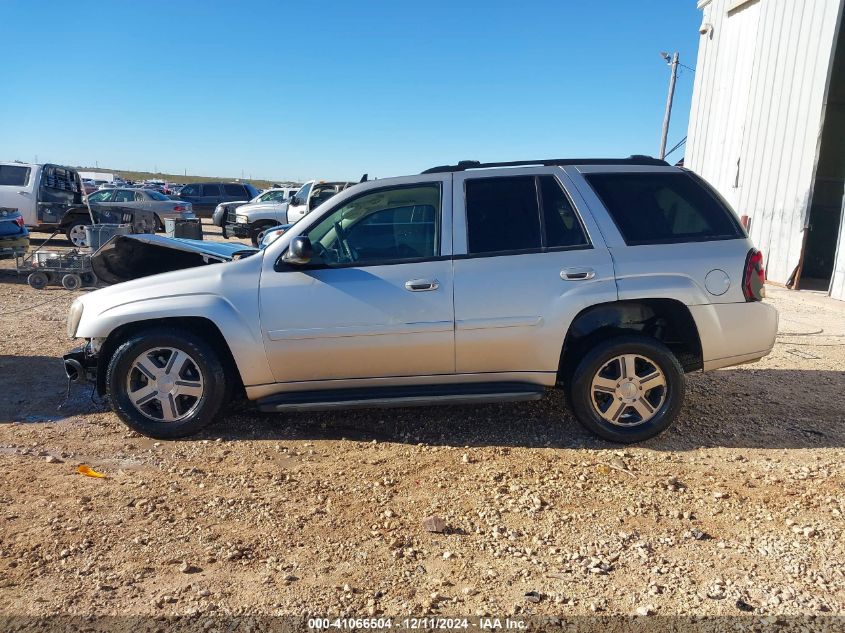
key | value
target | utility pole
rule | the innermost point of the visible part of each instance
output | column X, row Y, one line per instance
column 673, row 63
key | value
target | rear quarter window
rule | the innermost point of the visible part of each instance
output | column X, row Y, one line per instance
column 664, row 208
column 234, row 190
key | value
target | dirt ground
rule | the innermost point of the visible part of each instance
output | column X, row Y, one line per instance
column 737, row 509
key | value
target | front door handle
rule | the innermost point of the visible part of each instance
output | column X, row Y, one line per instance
column 421, row 285
column 577, row 274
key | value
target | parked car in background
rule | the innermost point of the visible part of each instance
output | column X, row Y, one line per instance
column 251, row 219
column 14, row 237
column 221, row 211
column 272, row 234
column 607, row 278
column 207, row 195
column 49, row 197
column 148, row 199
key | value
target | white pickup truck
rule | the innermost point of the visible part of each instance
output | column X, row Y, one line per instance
column 49, row 197
column 253, row 219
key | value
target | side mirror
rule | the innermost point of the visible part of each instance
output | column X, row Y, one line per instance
column 299, row 252
column 294, row 201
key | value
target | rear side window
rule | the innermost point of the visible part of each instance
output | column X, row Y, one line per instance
column 518, row 213
column 14, row 175
column 663, row 208
column 234, row 190
column 561, row 223
column 210, row 190
column 502, row 214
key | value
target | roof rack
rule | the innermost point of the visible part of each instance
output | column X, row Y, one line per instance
column 636, row 159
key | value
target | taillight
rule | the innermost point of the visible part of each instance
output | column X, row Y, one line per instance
column 754, row 276
column 180, row 208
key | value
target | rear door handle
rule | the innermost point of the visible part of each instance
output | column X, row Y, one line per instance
column 577, row 274
column 421, row 285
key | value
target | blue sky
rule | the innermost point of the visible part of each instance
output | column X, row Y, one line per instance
column 335, row 89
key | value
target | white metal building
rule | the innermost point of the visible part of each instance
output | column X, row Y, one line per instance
column 767, row 129
column 97, row 175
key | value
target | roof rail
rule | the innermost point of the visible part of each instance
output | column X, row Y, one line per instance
column 636, row 159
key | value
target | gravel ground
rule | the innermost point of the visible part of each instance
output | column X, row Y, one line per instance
column 737, row 509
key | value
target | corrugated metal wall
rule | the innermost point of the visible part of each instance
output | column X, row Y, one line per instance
column 756, row 115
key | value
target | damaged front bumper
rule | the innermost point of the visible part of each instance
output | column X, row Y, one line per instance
column 81, row 364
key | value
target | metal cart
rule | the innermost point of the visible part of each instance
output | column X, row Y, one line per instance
column 70, row 268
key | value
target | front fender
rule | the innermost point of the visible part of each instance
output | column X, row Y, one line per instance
column 240, row 332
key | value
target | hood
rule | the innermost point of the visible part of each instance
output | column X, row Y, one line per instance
column 253, row 207
column 127, row 257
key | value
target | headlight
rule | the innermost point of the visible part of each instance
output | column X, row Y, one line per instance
column 74, row 315
column 242, row 219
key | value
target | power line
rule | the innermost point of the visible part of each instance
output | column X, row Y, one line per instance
column 681, row 142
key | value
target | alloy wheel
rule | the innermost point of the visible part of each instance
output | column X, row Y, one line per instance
column 165, row 384
column 76, row 235
column 628, row 390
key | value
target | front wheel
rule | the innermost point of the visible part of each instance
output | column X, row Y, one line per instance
column 258, row 231
column 627, row 389
column 166, row 384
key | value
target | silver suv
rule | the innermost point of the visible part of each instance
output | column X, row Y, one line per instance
column 608, row 278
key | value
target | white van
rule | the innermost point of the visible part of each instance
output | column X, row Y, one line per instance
column 49, row 197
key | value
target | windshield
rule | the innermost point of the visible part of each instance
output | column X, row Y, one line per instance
column 271, row 196
column 155, row 195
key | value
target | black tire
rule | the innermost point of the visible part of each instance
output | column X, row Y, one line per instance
column 71, row 281
column 89, row 279
column 72, row 229
column 38, row 280
column 216, row 386
column 585, row 406
column 159, row 224
column 257, row 231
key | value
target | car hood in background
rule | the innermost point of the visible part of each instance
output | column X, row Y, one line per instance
column 253, row 207
column 127, row 257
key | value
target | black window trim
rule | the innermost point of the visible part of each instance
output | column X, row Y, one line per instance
column 741, row 232
column 282, row 266
column 543, row 238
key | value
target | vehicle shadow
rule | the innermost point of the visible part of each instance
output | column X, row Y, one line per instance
column 34, row 389
column 736, row 408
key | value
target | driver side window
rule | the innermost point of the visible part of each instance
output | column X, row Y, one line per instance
column 385, row 226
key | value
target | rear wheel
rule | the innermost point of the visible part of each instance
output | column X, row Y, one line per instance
column 627, row 389
column 75, row 232
column 166, row 383
column 89, row 279
column 71, row 281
